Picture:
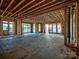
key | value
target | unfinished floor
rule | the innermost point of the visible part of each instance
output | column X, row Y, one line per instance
column 33, row 46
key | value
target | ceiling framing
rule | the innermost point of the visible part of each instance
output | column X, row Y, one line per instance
column 54, row 16
column 30, row 8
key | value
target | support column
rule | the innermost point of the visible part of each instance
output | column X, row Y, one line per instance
column 14, row 25
column 1, row 27
column 43, row 28
column 31, row 27
column 48, row 28
column 36, row 27
column 56, row 29
column 52, row 28
column 8, row 28
column 65, row 25
column 18, row 27
column 62, row 28
column 77, row 28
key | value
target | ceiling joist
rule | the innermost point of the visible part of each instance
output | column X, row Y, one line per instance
column 46, row 11
column 8, row 7
column 22, row 7
column 40, row 6
column 32, row 6
column 15, row 7
column 1, row 3
column 48, row 7
column 61, row 5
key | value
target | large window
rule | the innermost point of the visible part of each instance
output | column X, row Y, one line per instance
column 50, row 28
column 59, row 28
column 46, row 28
column 33, row 28
column 39, row 27
column 11, row 27
column 54, row 27
column 8, row 27
column 26, row 27
column 5, row 25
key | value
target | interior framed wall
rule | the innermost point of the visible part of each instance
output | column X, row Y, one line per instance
column 72, row 38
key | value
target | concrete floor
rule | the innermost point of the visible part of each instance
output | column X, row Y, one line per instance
column 32, row 46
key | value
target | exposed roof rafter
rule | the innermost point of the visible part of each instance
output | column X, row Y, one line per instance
column 40, row 6
column 46, row 11
column 8, row 7
column 16, row 7
column 32, row 6
column 43, row 8
column 23, row 7
column 61, row 5
column 1, row 3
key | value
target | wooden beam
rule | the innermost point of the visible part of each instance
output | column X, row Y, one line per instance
column 41, row 6
column 57, row 14
column 32, row 6
column 3, row 11
column 46, row 11
column 35, row 11
column 3, row 16
column 61, row 5
column 1, row 3
column 62, row 14
column 16, row 7
column 8, row 7
column 54, row 13
column 45, row 7
column 23, row 7
column 52, row 17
